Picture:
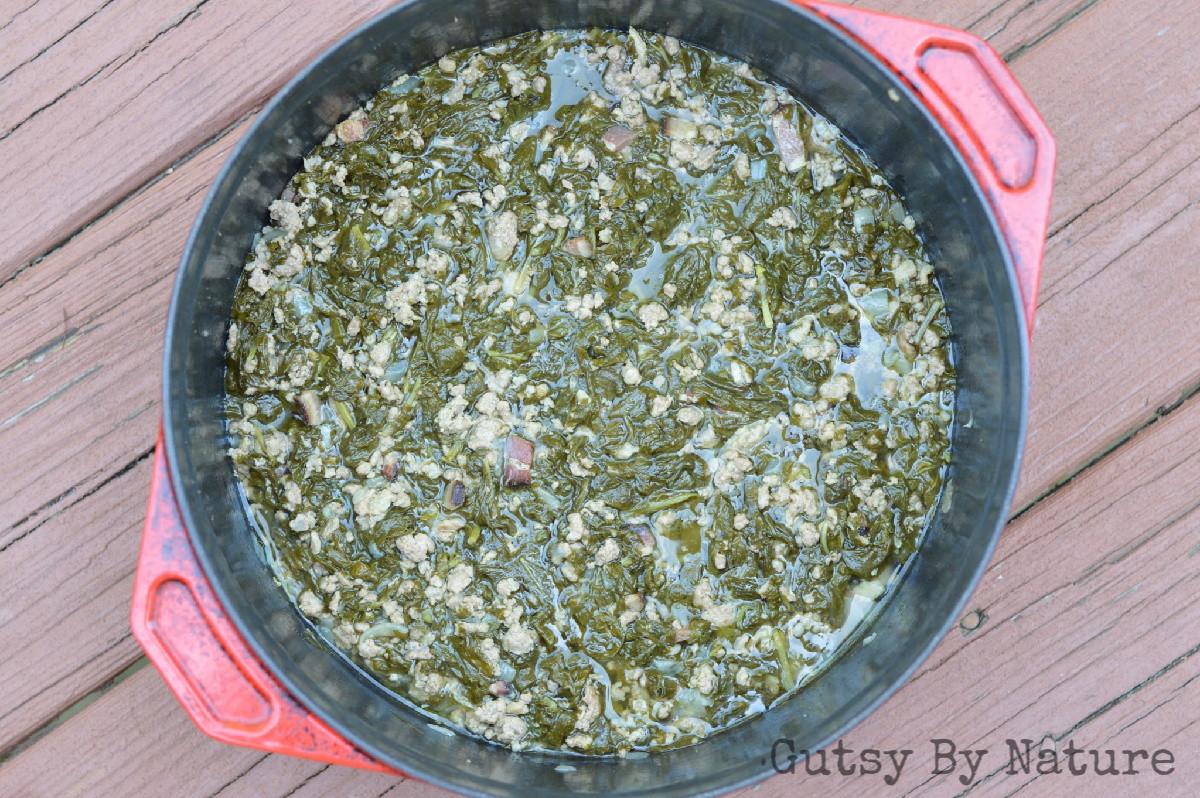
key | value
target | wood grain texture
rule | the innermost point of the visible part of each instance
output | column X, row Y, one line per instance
column 80, row 380
column 80, row 374
column 1116, row 336
column 1010, row 26
column 59, row 45
column 136, row 740
column 132, row 741
column 28, row 28
column 182, row 78
column 64, row 620
column 82, row 338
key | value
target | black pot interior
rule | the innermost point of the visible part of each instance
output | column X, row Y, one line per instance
column 826, row 70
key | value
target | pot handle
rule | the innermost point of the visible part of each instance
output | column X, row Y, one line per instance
column 186, row 634
column 974, row 96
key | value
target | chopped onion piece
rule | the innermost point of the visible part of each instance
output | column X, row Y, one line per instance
column 518, row 460
column 675, row 128
column 456, row 494
column 874, row 303
column 383, row 630
column 895, row 360
column 869, row 590
column 644, row 534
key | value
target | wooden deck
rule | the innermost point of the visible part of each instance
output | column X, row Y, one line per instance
column 115, row 116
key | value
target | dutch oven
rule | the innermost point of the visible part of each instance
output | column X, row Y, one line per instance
column 948, row 125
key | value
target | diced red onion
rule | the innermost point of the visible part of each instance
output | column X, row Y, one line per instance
column 456, row 494
column 645, row 534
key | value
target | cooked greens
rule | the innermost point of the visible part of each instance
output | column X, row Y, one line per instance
column 588, row 388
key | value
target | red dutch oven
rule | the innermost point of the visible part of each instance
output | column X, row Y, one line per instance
column 943, row 118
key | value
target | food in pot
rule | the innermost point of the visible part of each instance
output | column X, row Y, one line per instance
column 588, row 389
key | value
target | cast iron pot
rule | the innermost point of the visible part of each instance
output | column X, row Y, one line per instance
column 939, row 114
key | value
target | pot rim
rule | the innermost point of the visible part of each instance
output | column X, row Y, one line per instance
column 414, row 769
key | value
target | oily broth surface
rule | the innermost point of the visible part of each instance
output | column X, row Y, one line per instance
column 704, row 312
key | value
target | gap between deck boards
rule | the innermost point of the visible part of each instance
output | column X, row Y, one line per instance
column 1159, row 415
column 140, row 189
column 80, row 705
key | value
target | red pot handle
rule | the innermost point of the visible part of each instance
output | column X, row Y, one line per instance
column 970, row 91
column 201, row 655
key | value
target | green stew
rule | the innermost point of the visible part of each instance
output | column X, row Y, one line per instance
column 587, row 389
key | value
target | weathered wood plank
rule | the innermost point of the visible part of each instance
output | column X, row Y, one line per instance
column 11, row 9
column 136, row 740
column 79, row 364
column 64, row 619
column 279, row 776
column 1008, row 25
column 272, row 775
column 59, row 45
column 28, row 28
column 1160, row 716
column 1116, row 338
column 191, row 79
column 80, row 388
column 356, row 784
